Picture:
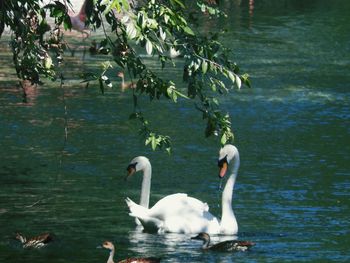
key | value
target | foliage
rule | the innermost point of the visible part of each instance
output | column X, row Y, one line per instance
column 157, row 26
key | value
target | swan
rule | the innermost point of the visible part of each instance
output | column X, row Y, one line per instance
column 109, row 245
column 225, row 246
column 179, row 213
column 173, row 213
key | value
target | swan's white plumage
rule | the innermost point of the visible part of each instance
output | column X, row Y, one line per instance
column 176, row 213
column 180, row 213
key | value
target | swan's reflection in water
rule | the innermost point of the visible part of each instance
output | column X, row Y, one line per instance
column 167, row 243
column 173, row 247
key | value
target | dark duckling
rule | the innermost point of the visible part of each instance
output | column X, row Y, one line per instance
column 34, row 242
column 229, row 245
column 109, row 245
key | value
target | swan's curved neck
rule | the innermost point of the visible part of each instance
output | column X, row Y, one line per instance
column 228, row 217
column 111, row 256
column 146, row 186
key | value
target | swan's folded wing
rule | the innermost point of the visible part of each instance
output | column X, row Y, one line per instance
column 191, row 222
column 193, row 202
column 175, row 204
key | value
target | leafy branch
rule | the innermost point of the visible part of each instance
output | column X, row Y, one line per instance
column 156, row 26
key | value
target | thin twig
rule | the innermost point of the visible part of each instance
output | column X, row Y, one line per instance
column 65, row 111
column 37, row 202
column 104, row 31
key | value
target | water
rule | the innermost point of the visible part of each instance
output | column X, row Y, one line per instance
column 292, row 130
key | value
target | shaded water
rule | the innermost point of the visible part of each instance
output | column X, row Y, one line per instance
column 292, row 130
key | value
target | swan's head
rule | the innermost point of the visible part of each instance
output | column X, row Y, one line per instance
column 226, row 155
column 108, row 245
column 137, row 164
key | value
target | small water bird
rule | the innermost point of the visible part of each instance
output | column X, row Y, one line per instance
column 34, row 242
column 126, row 85
column 228, row 246
column 109, row 245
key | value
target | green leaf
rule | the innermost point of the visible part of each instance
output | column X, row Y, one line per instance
column 166, row 18
column 223, row 139
column 168, row 150
column 106, row 65
column 149, row 47
column 181, row 94
column 188, row 30
column 148, row 140
column 231, row 76
column 238, row 82
column 246, row 80
column 48, row 62
column 171, row 93
column 177, row 2
column 162, row 33
column 125, row 4
column 215, row 101
column 153, row 143
column 131, row 30
column 204, row 67
column 67, row 23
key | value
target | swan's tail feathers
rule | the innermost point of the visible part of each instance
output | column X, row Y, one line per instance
column 131, row 204
column 150, row 224
column 205, row 207
column 135, row 208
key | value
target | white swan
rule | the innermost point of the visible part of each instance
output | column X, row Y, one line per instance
column 168, row 208
column 179, row 213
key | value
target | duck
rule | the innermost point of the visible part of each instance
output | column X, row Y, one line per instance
column 225, row 246
column 109, row 245
column 180, row 213
column 126, row 85
column 36, row 241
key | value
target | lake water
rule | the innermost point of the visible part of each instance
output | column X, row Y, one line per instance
column 292, row 130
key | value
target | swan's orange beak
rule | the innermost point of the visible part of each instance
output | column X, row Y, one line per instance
column 223, row 170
